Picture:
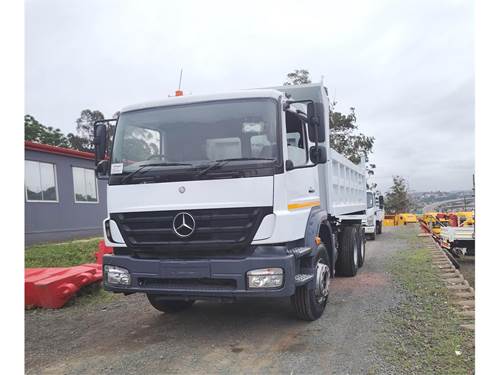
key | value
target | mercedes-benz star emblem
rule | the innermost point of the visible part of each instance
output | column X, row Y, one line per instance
column 182, row 189
column 183, row 224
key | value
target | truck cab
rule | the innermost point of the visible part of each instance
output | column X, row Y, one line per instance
column 379, row 212
column 370, row 215
column 230, row 196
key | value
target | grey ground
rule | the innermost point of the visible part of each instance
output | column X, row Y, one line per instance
column 126, row 335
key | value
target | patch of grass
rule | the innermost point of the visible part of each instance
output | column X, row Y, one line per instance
column 422, row 334
column 63, row 254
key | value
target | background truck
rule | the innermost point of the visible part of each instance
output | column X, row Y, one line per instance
column 371, row 209
column 374, row 214
column 379, row 212
column 229, row 196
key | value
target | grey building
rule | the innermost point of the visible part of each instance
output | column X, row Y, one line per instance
column 63, row 199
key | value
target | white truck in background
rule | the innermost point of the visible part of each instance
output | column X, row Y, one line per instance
column 374, row 214
column 379, row 212
column 228, row 196
column 370, row 226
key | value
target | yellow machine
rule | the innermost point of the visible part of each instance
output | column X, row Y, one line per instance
column 435, row 220
column 399, row 219
column 407, row 218
column 389, row 220
column 466, row 218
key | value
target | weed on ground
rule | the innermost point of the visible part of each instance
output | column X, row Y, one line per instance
column 422, row 334
column 63, row 254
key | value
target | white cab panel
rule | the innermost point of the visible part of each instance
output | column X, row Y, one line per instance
column 165, row 196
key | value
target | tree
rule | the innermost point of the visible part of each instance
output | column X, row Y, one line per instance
column 397, row 200
column 298, row 77
column 343, row 128
column 84, row 136
column 34, row 131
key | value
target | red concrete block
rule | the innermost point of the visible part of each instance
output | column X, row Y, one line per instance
column 103, row 249
column 53, row 287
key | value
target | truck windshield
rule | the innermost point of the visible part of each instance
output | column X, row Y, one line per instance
column 369, row 200
column 228, row 134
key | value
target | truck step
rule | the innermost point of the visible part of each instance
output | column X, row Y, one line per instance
column 299, row 251
column 303, row 278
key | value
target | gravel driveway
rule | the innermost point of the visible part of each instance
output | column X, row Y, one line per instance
column 128, row 336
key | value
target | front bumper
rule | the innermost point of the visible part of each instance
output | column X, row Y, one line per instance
column 199, row 278
column 370, row 229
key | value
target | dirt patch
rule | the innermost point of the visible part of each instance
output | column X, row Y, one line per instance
column 363, row 283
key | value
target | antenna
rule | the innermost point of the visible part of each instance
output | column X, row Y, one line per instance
column 180, row 80
column 179, row 92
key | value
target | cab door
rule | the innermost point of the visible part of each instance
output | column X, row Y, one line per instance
column 301, row 181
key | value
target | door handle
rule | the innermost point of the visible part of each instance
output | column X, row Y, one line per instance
column 311, row 190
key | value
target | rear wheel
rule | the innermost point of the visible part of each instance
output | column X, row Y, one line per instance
column 168, row 306
column 379, row 227
column 347, row 262
column 309, row 303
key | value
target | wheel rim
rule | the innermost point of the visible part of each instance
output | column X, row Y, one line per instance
column 355, row 251
column 322, row 282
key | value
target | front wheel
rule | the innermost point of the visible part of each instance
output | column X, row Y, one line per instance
column 168, row 306
column 309, row 303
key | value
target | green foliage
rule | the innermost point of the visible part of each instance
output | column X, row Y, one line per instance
column 397, row 200
column 298, row 77
column 34, row 131
column 85, row 130
column 344, row 135
column 80, row 143
column 63, row 254
column 344, row 138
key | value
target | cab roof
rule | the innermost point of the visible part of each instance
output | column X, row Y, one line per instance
column 188, row 99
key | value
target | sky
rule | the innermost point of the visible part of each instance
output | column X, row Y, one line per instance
column 406, row 66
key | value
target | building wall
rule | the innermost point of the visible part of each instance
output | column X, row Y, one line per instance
column 65, row 219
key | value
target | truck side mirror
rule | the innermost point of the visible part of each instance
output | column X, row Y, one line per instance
column 101, row 170
column 100, row 138
column 317, row 154
column 316, row 122
column 381, row 202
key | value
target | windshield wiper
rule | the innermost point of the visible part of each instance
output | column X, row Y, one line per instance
column 132, row 174
column 221, row 162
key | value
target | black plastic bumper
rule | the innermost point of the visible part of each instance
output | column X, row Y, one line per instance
column 168, row 276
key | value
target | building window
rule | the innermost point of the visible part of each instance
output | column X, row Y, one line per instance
column 40, row 181
column 85, row 185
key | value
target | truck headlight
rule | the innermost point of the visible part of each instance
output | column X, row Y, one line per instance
column 265, row 278
column 116, row 275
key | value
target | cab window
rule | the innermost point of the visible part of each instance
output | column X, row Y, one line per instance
column 296, row 140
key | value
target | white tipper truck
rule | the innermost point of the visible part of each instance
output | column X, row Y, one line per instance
column 370, row 227
column 374, row 214
column 230, row 196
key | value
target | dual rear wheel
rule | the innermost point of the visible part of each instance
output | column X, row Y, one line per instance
column 352, row 250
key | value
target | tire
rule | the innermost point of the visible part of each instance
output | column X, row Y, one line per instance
column 347, row 262
column 361, row 246
column 168, row 306
column 379, row 228
column 309, row 303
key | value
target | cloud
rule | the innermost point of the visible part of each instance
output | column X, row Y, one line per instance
column 407, row 67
